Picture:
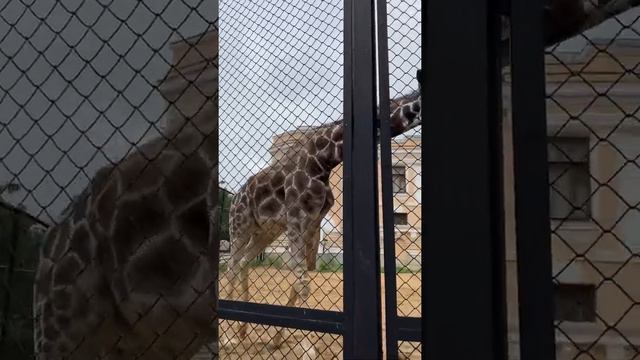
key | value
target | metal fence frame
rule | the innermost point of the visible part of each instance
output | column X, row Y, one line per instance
column 360, row 322
column 462, row 211
column 458, row 61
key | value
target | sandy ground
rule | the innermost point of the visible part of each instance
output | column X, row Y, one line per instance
column 268, row 285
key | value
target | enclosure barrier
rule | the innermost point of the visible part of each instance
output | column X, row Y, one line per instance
column 112, row 217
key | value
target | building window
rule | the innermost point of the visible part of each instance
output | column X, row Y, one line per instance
column 399, row 179
column 570, row 185
column 575, row 302
column 400, row 219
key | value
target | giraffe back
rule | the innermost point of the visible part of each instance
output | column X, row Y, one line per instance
column 134, row 256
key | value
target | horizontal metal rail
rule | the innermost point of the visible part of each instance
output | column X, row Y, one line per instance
column 409, row 328
column 275, row 315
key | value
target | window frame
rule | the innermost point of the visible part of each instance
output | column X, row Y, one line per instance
column 404, row 177
column 567, row 165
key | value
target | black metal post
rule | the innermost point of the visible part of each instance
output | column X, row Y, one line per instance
column 535, row 287
column 362, row 328
column 388, row 230
column 461, row 212
column 6, row 309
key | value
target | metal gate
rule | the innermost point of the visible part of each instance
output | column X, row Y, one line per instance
column 496, row 162
column 297, row 66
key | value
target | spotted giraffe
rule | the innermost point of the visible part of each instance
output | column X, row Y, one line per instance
column 292, row 196
column 128, row 270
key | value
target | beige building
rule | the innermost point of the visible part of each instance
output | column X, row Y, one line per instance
column 599, row 281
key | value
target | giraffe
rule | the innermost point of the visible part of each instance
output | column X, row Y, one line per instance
column 128, row 269
column 292, row 196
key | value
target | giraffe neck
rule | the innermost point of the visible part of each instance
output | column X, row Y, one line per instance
column 326, row 142
column 406, row 115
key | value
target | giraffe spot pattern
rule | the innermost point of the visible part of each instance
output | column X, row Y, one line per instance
column 188, row 181
column 321, row 142
column 138, row 219
column 277, row 179
column 61, row 240
column 194, row 224
column 313, row 167
column 63, row 321
column 337, row 134
column 270, row 207
column 50, row 332
column 294, row 212
column 300, row 180
column 44, row 276
column 67, row 270
column 81, row 243
column 262, row 192
column 142, row 173
column 291, row 195
column 309, row 203
column 61, row 299
column 317, row 187
column 105, row 209
column 158, row 269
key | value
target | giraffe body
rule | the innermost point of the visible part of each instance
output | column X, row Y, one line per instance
column 128, row 270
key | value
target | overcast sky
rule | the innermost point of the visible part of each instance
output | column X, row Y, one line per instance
column 77, row 84
column 77, row 80
column 281, row 67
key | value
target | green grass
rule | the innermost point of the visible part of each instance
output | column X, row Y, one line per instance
column 324, row 265
column 331, row 265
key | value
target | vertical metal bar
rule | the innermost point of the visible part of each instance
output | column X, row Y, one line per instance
column 362, row 338
column 388, row 232
column 531, row 178
column 13, row 245
column 496, row 117
column 460, row 214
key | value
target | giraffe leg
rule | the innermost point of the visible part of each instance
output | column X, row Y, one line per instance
column 300, row 290
column 238, row 246
column 255, row 247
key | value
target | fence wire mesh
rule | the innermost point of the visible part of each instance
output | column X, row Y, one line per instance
column 109, row 137
column 594, row 168
column 593, row 88
column 280, row 86
column 403, row 27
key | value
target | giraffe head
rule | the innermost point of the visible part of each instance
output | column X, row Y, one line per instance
column 406, row 111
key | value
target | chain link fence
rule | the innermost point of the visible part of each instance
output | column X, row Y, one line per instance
column 404, row 24
column 593, row 89
column 107, row 110
column 280, row 86
column 594, row 151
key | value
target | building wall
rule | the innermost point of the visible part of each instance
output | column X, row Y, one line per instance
column 606, row 241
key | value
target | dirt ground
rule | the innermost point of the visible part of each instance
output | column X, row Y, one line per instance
column 268, row 285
